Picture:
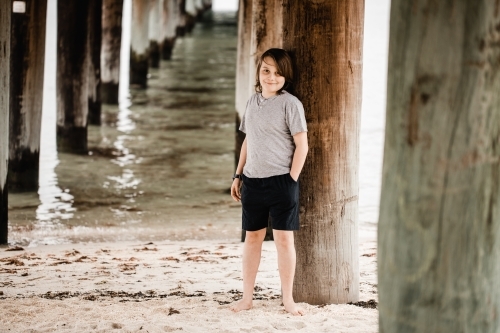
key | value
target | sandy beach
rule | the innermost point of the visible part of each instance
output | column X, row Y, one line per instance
column 160, row 287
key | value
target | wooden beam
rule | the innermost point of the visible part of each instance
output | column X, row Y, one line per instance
column 26, row 94
column 139, row 43
column 72, row 76
column 94, row 48
column 170, row 19
column 154, row 32
column 439, row 225
column 5, row 36
column 326, row 38
column 110, row 50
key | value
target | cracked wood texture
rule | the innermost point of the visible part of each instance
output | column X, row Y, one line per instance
column 326, row 39
column 26, row 95
column 112, row 11
column 439, row 226
column 5, row 17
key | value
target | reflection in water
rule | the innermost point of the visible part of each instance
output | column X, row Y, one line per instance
column 55, row 203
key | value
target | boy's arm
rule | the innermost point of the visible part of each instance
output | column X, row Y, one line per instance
column 236, row 186
column 299, row 156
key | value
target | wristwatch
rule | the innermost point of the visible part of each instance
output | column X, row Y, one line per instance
column 236, row 176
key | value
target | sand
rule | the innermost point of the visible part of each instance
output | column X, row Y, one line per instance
column 165, row 286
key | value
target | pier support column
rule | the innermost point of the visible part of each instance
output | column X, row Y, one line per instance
column 72, row 76
column 155, row 12
column 326, row 41
column 5, row 35
column 191, row 15
column 181, row 24
column 110, row 50
column 94, row 40
column 439, row 225
column 139, row 43
column 170, row 18
column 26, row 94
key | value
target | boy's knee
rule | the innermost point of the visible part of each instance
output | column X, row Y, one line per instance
column 255, row 236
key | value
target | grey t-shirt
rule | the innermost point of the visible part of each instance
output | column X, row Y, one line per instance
column 270, row 125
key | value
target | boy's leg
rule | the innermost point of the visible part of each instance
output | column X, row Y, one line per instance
column 251, row 259
column 286, row 264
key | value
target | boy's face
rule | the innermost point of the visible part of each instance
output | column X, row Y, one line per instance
column 270, row 80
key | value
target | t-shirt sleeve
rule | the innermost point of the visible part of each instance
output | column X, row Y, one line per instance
column 295, row 117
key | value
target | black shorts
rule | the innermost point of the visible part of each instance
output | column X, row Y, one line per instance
column 277, row 196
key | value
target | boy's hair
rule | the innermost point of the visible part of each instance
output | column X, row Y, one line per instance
column 284, row 66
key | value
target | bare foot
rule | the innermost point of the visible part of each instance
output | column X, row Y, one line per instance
column 294, row 309
column 241, row 305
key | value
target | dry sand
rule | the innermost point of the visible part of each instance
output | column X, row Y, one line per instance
column 160, row 287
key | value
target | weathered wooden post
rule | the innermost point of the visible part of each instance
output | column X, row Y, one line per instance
column 191, row 15
column 326, row 40
column 110, row 50
column 72, row 75
column 5, row 21
column 139, row 43
column 170, row 18
column 181, row 24
column 439, row 226
column 27, row 49
column 94, row 49
column 154, row 32
column 243, row 89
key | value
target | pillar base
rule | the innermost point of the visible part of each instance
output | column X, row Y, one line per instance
column 94, row 116
column 23, row 172
column 167, row 47
column 180, row 31
column 190, row 22
column 4, row 222
column 72, row 140
column 139, row 69
column 154, row 54
column 109, row 93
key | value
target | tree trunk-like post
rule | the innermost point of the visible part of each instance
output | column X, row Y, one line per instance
column 5, row 36
column 94, row 49
column 170, row 18
column 326, row 41
column 181, row 24
column 154, row 31
column 110, row 50
column 26, row 94
column 191, row 15
column 72, row 76
column 139, row 43
column 439, row 225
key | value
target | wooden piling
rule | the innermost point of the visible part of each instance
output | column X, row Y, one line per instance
column 191, row 15
column 326, row 39
column 110, row 50
column 26, row 94
column 439, row 225
column 170, row 19
column 72, row 76
column 154, row 31
column 5, row 39
column 181, row 24
column 94, row 48
column 139, row 43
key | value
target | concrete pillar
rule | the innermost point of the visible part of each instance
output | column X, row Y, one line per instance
column 170, row 19
column 94, row 40
column 110, row 50
column 325, row 38
column 26, row 94
column 5, row 35
column 72, row 75
column 139, row 43
column 155, row 26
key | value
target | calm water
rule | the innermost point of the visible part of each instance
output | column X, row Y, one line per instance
column 160, row 165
